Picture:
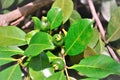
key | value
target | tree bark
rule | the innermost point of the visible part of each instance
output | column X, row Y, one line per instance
column 22, row 12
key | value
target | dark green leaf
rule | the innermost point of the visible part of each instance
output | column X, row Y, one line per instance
column 55, row 17
column 78, row 36
column 37, row 23
column 58, row 75
column 98, row 66
column 39, row 42
column 39, row 62
column 11, row 36
column 6, row 3
column 74, row 16
column 41, row 75
column 12, row 73
column 66, row 6
column 113, row 29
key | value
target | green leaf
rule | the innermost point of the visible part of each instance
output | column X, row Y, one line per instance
column 90, row 79
column 37, row 23
column 94, row 39
column 41, row 75
column 39, row 62
column 30, row 34
column 78, row 37
column 66, row 6
column 113, row 29
column 74, row 16
column 12, row 73
column 55, row 17
column 6, row 3
column 39, row 42
column 7, row 52
column 58, row 75
column 11, row 36
column 51, row 56
column 100, row 47
column 98, row 66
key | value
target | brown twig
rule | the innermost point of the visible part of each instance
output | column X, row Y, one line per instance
column 6, row 19
column 102, row 31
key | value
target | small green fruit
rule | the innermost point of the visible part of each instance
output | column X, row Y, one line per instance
column 45, row 26
column 58, row 40
column 58, row 64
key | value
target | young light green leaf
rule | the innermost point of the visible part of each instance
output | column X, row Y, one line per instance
column 74, row 16
column 94, row 38
column 98, row 66
column 12, row 73
column 113, row 29
column 11, row 36
column 37, row 23
column 39, row 62
column 78, row 37
column 66, row 6
column 6, row 3
column 58, row 75
column 39, row 42
column 55, row 17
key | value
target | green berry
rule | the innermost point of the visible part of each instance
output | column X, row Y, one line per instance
column 58, row 40
column 58, row 64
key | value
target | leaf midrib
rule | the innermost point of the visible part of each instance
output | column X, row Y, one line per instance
column 113, row 35
column 76, row 40
column 54, row 19
column 94, row 67
column 12, row 72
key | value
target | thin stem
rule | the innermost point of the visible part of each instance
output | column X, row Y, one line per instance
column 63, row 57
column 95, row 16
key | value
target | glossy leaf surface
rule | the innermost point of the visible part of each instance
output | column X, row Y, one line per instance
column 42, row 74
column 58, row 75
column 7, row 52
column 66, row 6
column 98, row 66
column 78, row 36
column 55, row 17
column 37, row 23
column 94, row 38
column 113, row 29
column 11, row 73
column 39, row 42
column 11, row 36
